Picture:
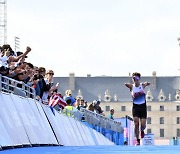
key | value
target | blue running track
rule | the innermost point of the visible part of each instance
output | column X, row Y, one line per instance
column 165, row 149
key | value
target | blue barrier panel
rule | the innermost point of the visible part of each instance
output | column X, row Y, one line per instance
column 91, row 131
column 45, row 138
column 88, row 132
column 178, row 141
column 9, row 117
column 121, row 139
column 23, row 109
column 101, row 138
column 128, row 126
column 49, row 132
column 108, row 134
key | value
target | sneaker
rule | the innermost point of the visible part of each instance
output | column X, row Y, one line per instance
column 137, row 142
column 142, row 134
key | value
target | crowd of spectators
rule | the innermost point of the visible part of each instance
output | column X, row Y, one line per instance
column 14, row 65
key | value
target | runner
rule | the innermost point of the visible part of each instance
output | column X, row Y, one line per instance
column 139, row 109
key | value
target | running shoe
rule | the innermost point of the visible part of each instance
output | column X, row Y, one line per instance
column 137, row 142
column 142, row 134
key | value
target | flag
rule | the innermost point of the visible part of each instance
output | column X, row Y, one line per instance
column 57, row 99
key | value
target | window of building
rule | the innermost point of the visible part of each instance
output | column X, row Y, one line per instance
column 161, row 108
column 178, row 120
column 148, row 120
column 178, row 108
column 123, row 108
column 178, row 132
column 148, row 108
column 107, row 108
column 149, row 131
column 161, row 120
column 161, row 132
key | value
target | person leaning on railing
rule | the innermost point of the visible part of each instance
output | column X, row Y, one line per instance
column 97, row 108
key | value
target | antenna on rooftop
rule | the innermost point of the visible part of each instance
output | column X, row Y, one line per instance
column 3, row 22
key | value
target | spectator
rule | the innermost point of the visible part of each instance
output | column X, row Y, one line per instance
column 69, row 109
column 42, row 85
column 110, row 116
column 49, row 85
column 97, row 107
column 83, row 104
column 77, row 103
column 91, row 107
column 68, row 94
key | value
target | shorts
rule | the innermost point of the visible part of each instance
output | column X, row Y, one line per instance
column 139, row 111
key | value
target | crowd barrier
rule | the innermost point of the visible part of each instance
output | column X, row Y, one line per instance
column 111, row 129
column 19, row 88
column 26, row 122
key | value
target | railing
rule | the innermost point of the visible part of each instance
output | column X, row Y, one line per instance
column 9, row 85
column 95, row 119
column 102, row 121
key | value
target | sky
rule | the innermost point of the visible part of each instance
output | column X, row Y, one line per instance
column 98, row 37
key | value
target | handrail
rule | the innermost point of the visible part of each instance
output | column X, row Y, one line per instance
column 10, row 85
column 100, row 120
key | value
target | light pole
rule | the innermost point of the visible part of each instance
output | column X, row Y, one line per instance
column 178, row 39
column 17, row 43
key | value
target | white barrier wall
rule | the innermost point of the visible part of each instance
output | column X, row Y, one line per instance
column 49, row 137
column 24, row 121
column 12, row 122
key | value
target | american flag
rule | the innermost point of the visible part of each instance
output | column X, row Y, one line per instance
column 57, row 99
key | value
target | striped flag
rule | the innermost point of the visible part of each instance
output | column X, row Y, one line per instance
column 57, row 99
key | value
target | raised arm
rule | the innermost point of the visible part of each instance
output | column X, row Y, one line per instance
column 15, row 59
column 145, row 84
column 129, row 85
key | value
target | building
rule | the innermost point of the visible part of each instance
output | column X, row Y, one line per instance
column 163, row 99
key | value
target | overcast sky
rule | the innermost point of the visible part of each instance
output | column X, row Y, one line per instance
column 98, row 37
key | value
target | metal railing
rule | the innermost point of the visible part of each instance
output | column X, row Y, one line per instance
column 98, row 120
column 10, row 85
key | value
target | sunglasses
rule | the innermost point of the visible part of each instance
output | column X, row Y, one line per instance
column 135, row 78
column 51, row 73
column 20, row 73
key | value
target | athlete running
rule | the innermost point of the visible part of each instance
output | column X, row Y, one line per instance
column 139, row 109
